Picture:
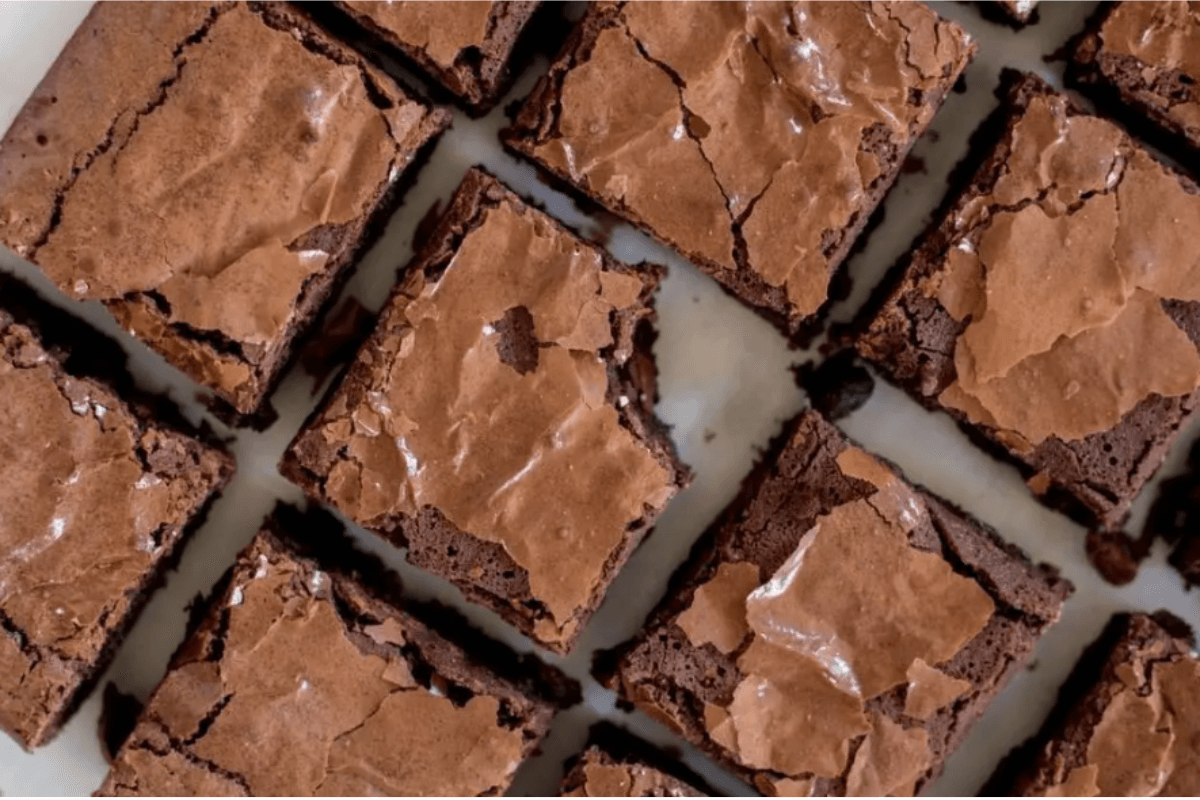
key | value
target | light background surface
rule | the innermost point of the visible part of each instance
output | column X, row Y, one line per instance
column 726, row 386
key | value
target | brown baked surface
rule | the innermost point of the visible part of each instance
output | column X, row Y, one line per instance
column 1053, row 310
column 99, row 488
column 307, row 676
column 209, row 172
column 836, row 631
column 500, row 422
column 699, row 124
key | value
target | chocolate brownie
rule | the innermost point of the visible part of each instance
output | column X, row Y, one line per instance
column 464, row 46
column 1053, row 310
column 500, row 422
column 836, row 631
column 1127, row 722
column 99, row 488
column 308, row 675
column 1140, row 62
column 747, row 136
column 617, row 764
column 209, row 172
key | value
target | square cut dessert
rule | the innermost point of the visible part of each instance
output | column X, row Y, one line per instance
column 1127, row 722
column 99, row 488
column 209, row 172
column 754, row 138
column 618, row 764
column 465, row 46
column 1141, row 62
column 836, row 631
column 1054, row 310
column 499, row 423
column 308, row 676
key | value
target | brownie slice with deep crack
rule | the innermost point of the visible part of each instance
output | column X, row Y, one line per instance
column 100, row 486
column 309, row 675
column 1127, row 722
column 744, row 135
column 836, row 631
column 499, row 423
column 1054, row 309
column 1139, row 62
column 210, row 172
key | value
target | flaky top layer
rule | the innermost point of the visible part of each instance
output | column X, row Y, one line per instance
column 745, row 134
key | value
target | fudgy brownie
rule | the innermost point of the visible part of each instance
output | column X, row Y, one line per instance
column 209, row 172
column 1053, row 310
column 464, row 46
column 1140, row 62
column 836, row 631
column 1127, row 722
column 99, row 488
column 748, row 136
column 307, row 675
column 617, row 764
column 500, row 422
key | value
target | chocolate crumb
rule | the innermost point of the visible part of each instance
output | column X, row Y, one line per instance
column 1113, row 555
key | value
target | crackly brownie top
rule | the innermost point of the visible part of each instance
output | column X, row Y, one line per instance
column 484, row 393
column 1159, row 37
column 825, row 634
column 191, row 155
column 340, row 695
column 833, row 591
column 745, row 133
column 1061, row 271
column 91, row 498
column 598, row 774
column 1138, row 731
column 441, row 30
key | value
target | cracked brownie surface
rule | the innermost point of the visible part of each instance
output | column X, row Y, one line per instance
column 1127, row 723
column 1143, row 61
column 96, row 498
column 500, row 421
column 209, row 172
column 465, row 46
column 618, row 764
column 836, row 631
column 1055, row 309
column 305, row 677
column 755, row 138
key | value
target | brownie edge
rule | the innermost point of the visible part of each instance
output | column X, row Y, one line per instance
column 457, row 438
column 800, row 550
column 306, row 649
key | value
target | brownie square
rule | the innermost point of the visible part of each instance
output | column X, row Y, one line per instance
column 499, row 423
column 749, row 137
column 464, row 46
column 1052, row 310
column 617, row 764
column 99, row 488
column 209, row 172
column 1127, row 721
column 836, row 631
column 1139, row 62
column 307, row 676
